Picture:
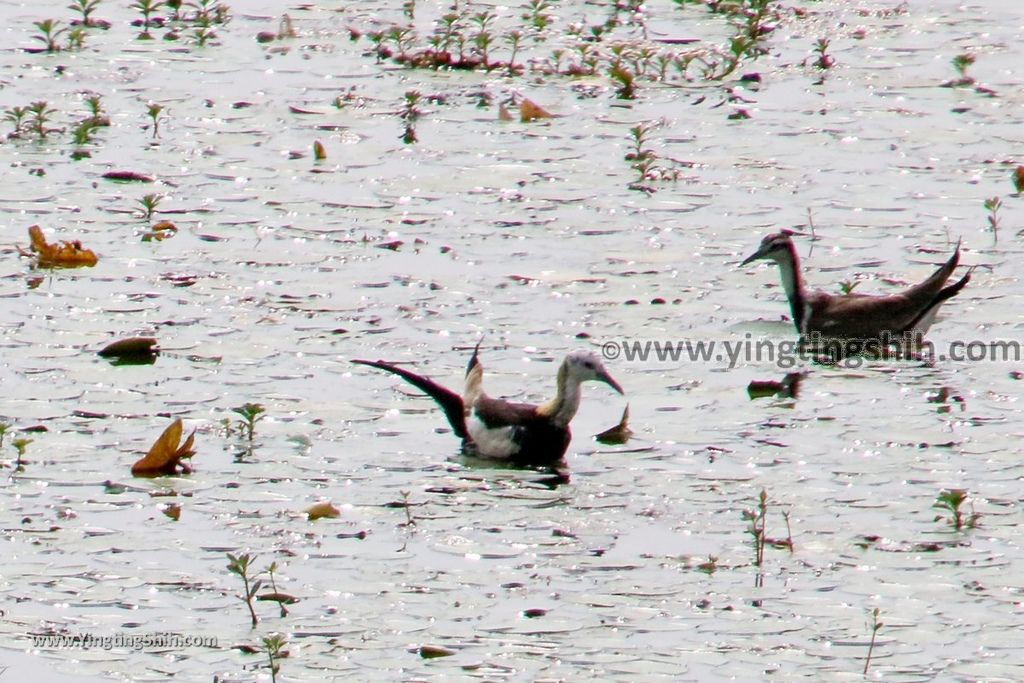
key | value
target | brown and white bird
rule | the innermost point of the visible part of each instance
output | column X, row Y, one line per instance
column 890, row 318
column 523, row 434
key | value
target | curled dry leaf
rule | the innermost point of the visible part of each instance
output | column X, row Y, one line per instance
column 127, row 177
column 165, row 457
column 619, row 434
column 59, row 255
column 172, row 510
column 322, row 510
column 160, row 231
column 531, row 111
column 319, row 153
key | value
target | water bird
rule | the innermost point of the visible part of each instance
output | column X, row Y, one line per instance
column 891, row 318
column 522, row 434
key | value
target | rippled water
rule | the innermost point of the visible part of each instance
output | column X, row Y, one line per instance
column 527, row 235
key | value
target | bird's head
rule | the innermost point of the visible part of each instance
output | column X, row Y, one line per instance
column 777, row 247
column 584, row 366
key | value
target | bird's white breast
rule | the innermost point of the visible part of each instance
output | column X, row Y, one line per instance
column 491, row 442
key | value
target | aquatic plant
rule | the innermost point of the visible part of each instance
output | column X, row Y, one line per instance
column 992, row 205
column 537, row 14
column 1018, row 179
column 239, row 565
column 203, row 35
column 847, row 286
column 514, row 39
column 409, row 521
column 319, row 153
column 94, row 103
column 272, row 645
column 49, row 33
column 20, row 445
column 875, row 626
column 4, row 428
column 86, row 9
column 961, row 62
column 251, row 414
column 271, row 570
column 952, row 501
column 40, row 112
column 148, row 204
column 175, row 7
column 154, row 110
column 146, row 8
column 76, row 38
column 409, row 114
column 641, row 158
column 483, row 38
column 16, row 115
column 824, row 60
column 756, row 521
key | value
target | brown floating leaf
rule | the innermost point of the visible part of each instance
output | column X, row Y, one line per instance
column 62, row 255
column 173, row 510
column 504, row 114
column 531, row 111
column 435, row 651
column 128, row 177
column 165, row 457
column 322, row 510
column 619, row 434
column 280, row 598
column 319, row 153
column 1018, row 179
column 160, row 231
column 133, row 347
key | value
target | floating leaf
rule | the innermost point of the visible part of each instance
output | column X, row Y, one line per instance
column 619, row 434
column 165, row 457
column 280, row 598
column 531, row 111
column 319, row 153
column 322, row 510
column 504, row 114
column 62, row 255
column 435, row 651
column 172, row 510
column 128, row 177
column 160, row 231
column 138, row 349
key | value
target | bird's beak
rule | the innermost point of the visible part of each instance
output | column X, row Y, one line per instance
column 607, row 379
column 760, row 253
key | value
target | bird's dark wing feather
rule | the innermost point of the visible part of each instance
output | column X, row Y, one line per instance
column 450, row 402
column 496, row 413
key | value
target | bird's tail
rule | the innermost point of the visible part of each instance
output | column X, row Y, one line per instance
column 450, row 402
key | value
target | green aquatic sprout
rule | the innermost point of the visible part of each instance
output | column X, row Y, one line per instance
column 515, row 40
column 992, row 205
column 16, row 115
column 41, row 112
column 76, row 38
column 146, row 8
column 49, row 33
column 203, row 35
column 756, row 523
column 251, row 414
column 409, row 114
column 952, row 500
column 4, row 428
column 86, row 8
column 483, row 38
column 847, row 286
column 824, row 60
column 641, row 157
column 960, row 63
column 154, row 111
column 273, row 644
column 20, row 445
column 875, row 626
column 148, row 204
column 239, row 565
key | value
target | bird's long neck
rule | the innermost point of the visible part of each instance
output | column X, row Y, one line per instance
column 793, row 284
column 562, row 408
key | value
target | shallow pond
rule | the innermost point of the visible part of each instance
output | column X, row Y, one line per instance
column 536, row 237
